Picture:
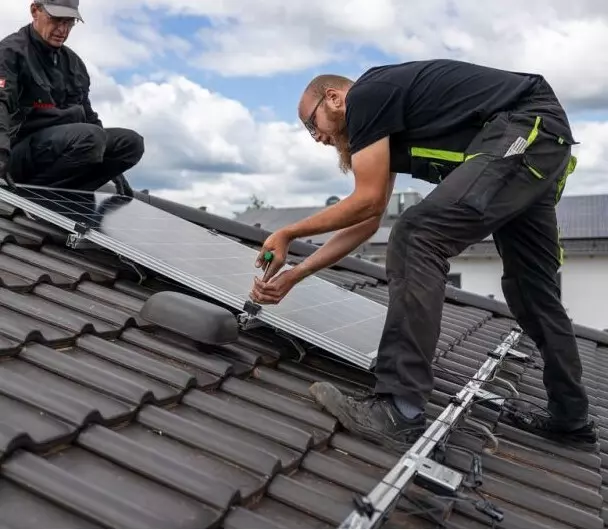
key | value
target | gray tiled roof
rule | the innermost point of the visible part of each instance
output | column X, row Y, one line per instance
column 579, row 217
column 572, row 247
column 584, row 216
column 109, row 421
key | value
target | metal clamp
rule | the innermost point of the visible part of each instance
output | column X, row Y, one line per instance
column 74, row 239
column 247, row 320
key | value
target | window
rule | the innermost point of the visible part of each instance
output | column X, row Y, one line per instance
column 454, row 279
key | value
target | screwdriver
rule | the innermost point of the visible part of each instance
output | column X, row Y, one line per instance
column 250, row 307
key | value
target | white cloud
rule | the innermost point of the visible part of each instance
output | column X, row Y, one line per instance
column 203, row 148
column 592, row 155
column 266, row 37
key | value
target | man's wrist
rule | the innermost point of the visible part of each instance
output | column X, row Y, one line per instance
column 288, row 233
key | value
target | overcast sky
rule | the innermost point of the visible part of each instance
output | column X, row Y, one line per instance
column 213, row 85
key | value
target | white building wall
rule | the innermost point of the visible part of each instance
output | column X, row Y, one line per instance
column 584, row 282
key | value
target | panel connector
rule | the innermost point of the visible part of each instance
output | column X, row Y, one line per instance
column 489, row 509
column 437, row 478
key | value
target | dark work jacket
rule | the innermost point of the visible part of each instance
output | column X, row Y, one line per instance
column 40, row 86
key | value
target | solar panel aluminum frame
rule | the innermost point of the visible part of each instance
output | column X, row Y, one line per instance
column 364, row 360
column 383, row 498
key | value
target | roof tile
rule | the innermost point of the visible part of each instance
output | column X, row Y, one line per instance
column 23, row 329
column 249, row 419
column 287, row 517
column 106, row 492
column 47, row 400
column 176, row 377
column 162, row 392
column 201, row 432
column 309, row 498
column 111, row 296
column 40, row 228
column 158, row 466
column 16, row 274
column 20, row 508
column 85, row 305
column 42, row 430
column 111, row 410
column 23, row 235
column 55, row 314
column 97, row 272
column 132, row 390
column 280, row 403
column 243, row 518
column 186, row 356
column 541, row 503
column 55, row 266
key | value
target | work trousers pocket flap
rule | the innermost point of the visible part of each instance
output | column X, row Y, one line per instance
column 482, row 177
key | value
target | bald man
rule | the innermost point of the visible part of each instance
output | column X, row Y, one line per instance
column 497, row 145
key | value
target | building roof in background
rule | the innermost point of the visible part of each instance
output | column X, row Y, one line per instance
column 583, row 217
column 579, row 217
column 111, row 421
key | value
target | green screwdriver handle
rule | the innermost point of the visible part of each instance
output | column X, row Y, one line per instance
column 268, row 256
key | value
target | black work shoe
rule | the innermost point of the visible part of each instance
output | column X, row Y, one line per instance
column 375, row 418
column 583, row 438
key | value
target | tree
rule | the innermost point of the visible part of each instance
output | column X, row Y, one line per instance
column 257, row 203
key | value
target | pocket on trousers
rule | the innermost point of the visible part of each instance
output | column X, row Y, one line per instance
column 431, row 170
column 490, row 175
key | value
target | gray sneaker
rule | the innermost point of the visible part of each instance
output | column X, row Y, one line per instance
column 373, row 418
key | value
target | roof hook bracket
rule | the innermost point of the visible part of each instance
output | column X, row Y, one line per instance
column 74, row 240
column 247, row 319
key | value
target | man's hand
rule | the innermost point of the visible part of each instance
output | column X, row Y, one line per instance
column 3, row 169
column 275, row 290
column 277, row 243
column 122, row 186
column 5, row 175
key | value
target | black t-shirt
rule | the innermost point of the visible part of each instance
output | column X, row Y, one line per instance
column 442, row 101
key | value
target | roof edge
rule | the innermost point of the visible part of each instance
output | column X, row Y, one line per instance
column 253, row 234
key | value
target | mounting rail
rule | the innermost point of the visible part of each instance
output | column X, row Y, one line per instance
column 374, row 509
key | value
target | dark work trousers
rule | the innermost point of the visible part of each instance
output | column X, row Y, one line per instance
column 76, row 156
column 487, row 194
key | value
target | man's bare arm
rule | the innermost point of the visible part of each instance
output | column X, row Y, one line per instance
column 343, row 243
column 371, row 167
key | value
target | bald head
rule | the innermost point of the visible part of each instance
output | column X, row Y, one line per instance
column 318, row 88
column 319, row 85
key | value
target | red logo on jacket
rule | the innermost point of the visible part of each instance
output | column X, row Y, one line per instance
column 40, row 105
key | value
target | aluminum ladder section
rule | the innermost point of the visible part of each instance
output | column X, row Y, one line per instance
column 374, row 509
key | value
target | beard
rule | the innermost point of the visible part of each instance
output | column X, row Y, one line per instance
column 340, row 140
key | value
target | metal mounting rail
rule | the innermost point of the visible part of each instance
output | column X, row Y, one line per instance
column 373, row 510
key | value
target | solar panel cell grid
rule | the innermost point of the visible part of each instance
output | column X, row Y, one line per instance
column 328, row 316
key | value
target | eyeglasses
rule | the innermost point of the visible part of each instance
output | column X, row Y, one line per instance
column 310, row 123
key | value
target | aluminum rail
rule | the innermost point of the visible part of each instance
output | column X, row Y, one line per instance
column 376, row 507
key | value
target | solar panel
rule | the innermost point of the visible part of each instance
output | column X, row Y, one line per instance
column 339, row 321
